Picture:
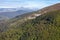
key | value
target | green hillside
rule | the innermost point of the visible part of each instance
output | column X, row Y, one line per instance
column 44, row 27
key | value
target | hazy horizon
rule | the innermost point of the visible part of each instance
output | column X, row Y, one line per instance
column 27, row 3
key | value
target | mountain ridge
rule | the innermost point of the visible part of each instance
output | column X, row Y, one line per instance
column 41, row 11
column 44, row 27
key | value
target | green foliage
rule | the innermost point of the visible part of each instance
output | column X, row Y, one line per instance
column 44, row 27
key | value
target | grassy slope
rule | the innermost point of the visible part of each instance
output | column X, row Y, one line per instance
column 44, row 27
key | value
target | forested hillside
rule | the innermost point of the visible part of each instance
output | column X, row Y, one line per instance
column 43, row 24
column 44, row 27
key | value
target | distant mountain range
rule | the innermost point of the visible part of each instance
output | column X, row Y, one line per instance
column 12, row 12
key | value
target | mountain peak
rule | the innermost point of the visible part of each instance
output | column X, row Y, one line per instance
column 50, row 8
column 58, row 4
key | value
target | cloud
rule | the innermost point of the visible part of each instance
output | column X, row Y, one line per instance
column 34, row 5
column 26, row 3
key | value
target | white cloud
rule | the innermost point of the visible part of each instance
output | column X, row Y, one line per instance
column 32, row 4
column 26, row 4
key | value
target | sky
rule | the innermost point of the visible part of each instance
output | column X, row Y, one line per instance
column 27, row 3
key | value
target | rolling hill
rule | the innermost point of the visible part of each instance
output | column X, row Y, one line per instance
column 34, row 14
column 12, row 12
column 45, row 25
